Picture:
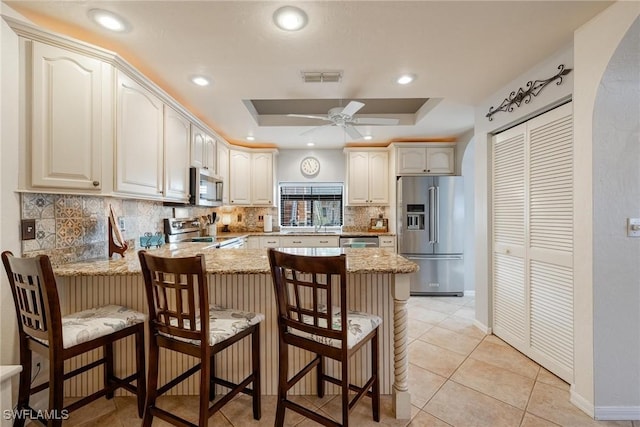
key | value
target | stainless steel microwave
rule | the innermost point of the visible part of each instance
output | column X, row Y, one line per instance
column 205, row 189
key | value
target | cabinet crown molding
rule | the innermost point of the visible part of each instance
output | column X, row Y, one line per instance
column 34, row 33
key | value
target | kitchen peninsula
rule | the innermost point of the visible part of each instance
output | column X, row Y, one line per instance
column 378, row 282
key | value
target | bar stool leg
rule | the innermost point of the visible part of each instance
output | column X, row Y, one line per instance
column 141, row 381
column 205, row 378
column 108, row 368
column 375, row 388
column 320, row 374
column 255, row 367
column 56, row 389
column 283, row 369
column 212, row 384
column 345, row 393
column 25, row 384
column 152, row 385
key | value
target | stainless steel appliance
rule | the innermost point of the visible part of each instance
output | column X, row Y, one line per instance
column 205, row 189
column 359, row 242
column 431, row 232
column 183, row 230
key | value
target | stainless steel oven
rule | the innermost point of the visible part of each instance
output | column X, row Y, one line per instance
column 205, row 189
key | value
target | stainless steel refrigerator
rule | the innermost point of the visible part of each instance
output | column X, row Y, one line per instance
column 431, row 232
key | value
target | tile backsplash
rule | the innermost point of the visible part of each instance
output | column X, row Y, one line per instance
column 74, row 228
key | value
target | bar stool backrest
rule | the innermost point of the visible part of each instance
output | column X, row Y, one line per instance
column 177, row 295
column 35, row 295
column 309, row 292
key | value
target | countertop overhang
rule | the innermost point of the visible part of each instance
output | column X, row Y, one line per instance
column 240, row 261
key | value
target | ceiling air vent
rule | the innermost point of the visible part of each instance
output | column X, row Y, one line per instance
column 321, row 76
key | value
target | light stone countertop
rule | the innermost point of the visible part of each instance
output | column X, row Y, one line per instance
column 239, row 261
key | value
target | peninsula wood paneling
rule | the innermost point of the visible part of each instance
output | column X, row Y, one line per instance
column 370, row 293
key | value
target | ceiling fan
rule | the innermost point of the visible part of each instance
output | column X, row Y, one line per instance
column 343, row 117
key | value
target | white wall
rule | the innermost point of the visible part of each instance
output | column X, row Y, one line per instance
column 468, row 172
column 332, row 166
column 9, row 200
column 616, row 193
column 551, row 95
column 595, row 42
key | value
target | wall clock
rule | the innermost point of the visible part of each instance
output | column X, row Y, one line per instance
column 310, row 166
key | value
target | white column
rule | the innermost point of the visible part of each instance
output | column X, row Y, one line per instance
column 401, row 395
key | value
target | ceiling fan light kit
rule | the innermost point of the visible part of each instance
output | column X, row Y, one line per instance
column 343, row 117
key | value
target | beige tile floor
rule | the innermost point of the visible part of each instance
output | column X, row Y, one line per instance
column 457, row 377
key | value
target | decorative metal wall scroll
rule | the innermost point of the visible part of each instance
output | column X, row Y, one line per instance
column 533, row 89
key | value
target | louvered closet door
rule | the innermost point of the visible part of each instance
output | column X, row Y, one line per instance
column 551, row 240
column 533, row 239
column 509, row 294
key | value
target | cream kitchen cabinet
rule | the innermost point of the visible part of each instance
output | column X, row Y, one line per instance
column 263, row 242
column 269, row 242
column 203, row 149
column 309, row 241
column 426, row 160
column 251, row 178
column 387, row 242
column 239, row 177
column 70, row 115
column 262, row 190
column 139, row 139
column 222, row 170
column 177, row 132
column 368, row 178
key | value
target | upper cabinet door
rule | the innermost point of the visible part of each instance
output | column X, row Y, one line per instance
column 222, row 169
column 262, row 192
column 177, row 133
column 198, row 141
column 66, row 119
column 139, row 153
column 412, row 160
column 379, row 177
column 239, row 177
column 358, row 175
column 210, row 154
column 440, row 160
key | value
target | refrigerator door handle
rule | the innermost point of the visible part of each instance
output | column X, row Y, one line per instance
column 436, row 214
column 432, row 218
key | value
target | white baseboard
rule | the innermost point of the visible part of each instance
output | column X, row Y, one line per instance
column 580, row 402
column 484, row 328
column 618, row 413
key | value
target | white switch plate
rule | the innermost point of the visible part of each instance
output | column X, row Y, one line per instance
column 633, row 227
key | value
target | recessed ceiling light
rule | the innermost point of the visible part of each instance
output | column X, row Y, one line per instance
column 200, row 80
column 368, row 137
column 310, row 144
column 290, row 18
column 405, row 79
column 251, row 138
column 109, row 20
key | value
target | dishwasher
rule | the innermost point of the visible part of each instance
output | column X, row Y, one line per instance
column 359, row 242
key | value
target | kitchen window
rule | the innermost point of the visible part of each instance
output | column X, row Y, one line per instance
column 317, row 205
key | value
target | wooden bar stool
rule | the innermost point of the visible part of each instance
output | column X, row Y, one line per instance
column 306, row 287
column 178, row 298
column 43, row 329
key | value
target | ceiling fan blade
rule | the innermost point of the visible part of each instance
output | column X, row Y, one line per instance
column 317, row 128
column 375, row 121
column 305, row 116
column 352, row 108
column 353, row 132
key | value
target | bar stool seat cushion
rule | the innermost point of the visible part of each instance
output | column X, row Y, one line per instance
column 358, row 324
column 223, row 324
column 96, row 322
